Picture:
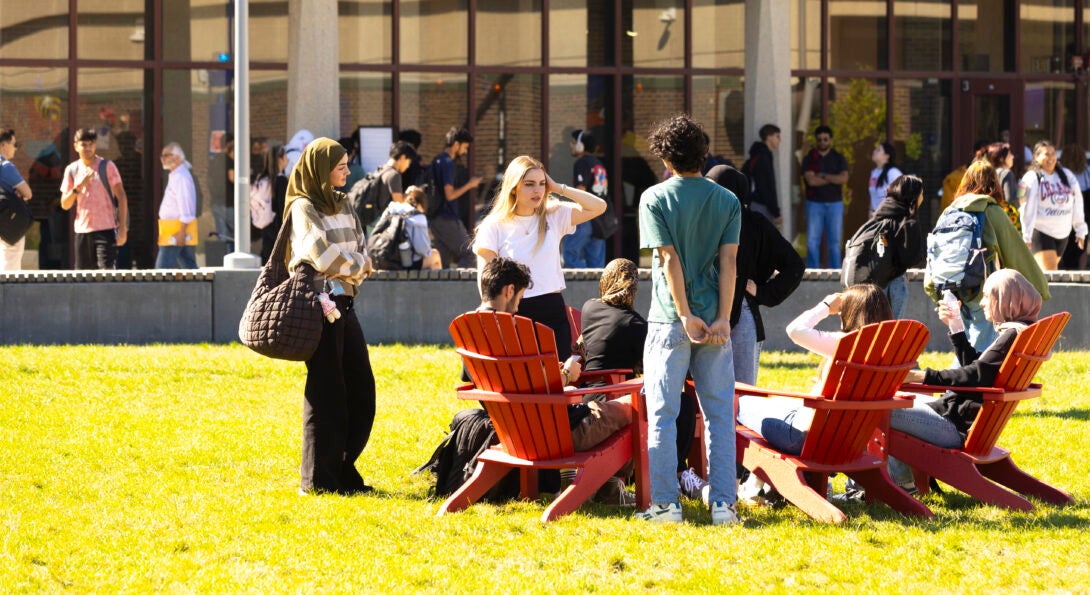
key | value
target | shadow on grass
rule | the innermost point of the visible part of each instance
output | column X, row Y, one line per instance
column 1070, row 414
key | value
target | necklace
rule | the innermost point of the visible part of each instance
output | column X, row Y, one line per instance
column 528, row 226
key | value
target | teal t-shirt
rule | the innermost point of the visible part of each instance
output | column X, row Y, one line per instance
column 696, row 216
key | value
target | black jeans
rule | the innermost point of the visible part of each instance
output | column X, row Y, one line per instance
column 339, row 409
column 549, row 309
column 96, row 250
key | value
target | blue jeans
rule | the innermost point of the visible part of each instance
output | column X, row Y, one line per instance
column 924, row 423
column 827, row 217
column 170, row 255
column 979, row 330
column 747, row 350
column 582, row 250
column 897, row 292
column 668, row 358
column 782, row 421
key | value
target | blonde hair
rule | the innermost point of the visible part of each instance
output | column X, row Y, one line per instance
column 506, row 200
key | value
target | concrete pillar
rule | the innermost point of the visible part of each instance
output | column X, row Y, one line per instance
column 768, row 88
column 313, row 72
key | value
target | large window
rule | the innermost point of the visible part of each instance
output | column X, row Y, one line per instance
column 509, row 32
column 365, row 31
column 580, row 33
column 922, row 29
column 579, row 102
column 720, row 27
column 806, row 35
column 1050, row 113
column 719, row 104
column 432, row 103
column 1048, row 35
column 986, row 35
column 654, row 33
column 36, row 29
column 508, row 121
column 111, row 29
column 857, row 35
column 198, row 30
column 922, row 135
column 435, row 32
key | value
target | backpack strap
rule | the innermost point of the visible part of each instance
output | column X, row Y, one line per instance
column 106, row 180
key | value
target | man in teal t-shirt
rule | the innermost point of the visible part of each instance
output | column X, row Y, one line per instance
column 692, row 224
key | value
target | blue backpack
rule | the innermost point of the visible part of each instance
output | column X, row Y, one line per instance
column 956, row 257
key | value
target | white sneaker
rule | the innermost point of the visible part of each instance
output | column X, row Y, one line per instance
column 694, row 486
column 724, row 514
column 661, row 513
column 752, row 491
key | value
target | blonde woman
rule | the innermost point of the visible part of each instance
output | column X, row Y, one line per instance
column 526, row 226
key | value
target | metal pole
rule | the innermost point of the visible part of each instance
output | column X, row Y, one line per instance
column 240, row 258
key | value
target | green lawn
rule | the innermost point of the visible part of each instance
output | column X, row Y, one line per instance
column 175, row 468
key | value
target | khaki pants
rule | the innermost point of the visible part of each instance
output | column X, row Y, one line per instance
column 605, row 418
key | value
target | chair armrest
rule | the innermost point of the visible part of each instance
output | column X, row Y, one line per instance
column 742, row 389
column 466, row 386
column 897, row 402
column 568, row 397
column 631, row 386
column 917, row 387
column 597, row 374
column 1031, row 392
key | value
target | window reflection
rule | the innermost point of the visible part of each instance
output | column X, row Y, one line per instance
column 111, row 102
column 857, row 35
column 719, row 104
column 986, row 36
column 366, row 100
column 435, row 32
column 806, row 34
column 365, row 31
column 922, row 29
column 508, row 122
column 720, row 27
column 197, row 30
column 268, row 30
column 111, row 29
column 34, row 102
column 509, row 32
column 922, row 131
column 644, row 101
column 653, row 33
column 580, row 33
column 579, row 102
column 431, row 104
column 34, row 30
column 1049, row 113
column 1048, row 35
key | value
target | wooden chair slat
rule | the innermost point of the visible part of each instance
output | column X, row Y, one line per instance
column 510, row 355
column 979, row 468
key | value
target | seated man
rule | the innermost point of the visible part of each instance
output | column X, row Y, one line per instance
column 503, row 281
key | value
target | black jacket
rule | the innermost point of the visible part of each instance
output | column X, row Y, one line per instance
column 762, row 251
column 613, row 336
column 909, row 248
column 977, row 369
column 763, row 175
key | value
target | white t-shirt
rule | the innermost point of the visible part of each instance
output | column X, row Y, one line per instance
column 878, row 193
column 180, row 196
column 516, row 239
column 1052, row 207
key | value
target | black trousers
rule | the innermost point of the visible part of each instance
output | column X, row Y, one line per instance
column 96, row 250
column 549, row 310
column 339, row 409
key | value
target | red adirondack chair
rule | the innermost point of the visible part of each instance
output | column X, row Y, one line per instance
column 856, row 395
column 515, row 372
column 974, row 467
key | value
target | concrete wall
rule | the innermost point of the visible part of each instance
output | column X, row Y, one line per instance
column 136, row 307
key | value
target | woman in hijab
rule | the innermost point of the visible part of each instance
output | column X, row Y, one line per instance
column 1011, row 303
column 769, row 270
column 339, row 406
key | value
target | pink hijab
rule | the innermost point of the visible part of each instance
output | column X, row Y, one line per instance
column 1013, row 299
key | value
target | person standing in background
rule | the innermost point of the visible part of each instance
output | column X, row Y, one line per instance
column 177, row 212
column 761, row 171
column 582, row 249
column 11, row 182
column 882, row 175
column 1051, row 207
column 221, row 181
column 825, row 171
column 102, row 208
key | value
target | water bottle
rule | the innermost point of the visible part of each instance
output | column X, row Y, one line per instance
column 405, row 250
column 951, row 301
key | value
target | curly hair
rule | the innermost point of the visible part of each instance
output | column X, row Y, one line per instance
column 680, row 141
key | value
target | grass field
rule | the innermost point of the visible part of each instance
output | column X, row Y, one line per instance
column 175, row 468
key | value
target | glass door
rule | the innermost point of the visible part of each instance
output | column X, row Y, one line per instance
column 990, row 112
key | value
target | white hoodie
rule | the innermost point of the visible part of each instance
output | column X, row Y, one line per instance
column 1053, row 206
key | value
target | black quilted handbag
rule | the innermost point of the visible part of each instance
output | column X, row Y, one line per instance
column 15, row 217
column 283, row 318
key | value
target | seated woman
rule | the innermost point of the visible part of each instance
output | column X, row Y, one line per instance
column 1011, row 303
column 424, row 257
column 613, row 335
column 784, row 421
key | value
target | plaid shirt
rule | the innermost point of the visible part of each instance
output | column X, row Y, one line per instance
column 333, row 244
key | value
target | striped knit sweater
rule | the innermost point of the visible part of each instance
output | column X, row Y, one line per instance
column 333, row 244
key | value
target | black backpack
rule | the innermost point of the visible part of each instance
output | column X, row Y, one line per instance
column 365, row 196
column 868, row 256
column 455, row 459
column 605, row 225
column 382, row 245
column 426, row 182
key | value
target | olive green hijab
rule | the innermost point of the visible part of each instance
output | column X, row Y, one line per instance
column 310, row 178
